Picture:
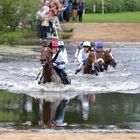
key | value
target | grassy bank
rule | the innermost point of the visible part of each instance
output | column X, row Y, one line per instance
column 126, row 17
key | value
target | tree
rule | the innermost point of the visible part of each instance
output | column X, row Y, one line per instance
column 15, row 11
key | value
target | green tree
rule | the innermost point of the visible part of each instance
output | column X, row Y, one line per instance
column 14, row 13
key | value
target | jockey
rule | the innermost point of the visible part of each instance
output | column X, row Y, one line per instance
column 83, row 55
column 63, row 49
column 59, row 61
column 92, row 46
column 99, row 47
column 80, row 46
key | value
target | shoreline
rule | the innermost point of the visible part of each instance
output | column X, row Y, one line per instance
column 67, row 136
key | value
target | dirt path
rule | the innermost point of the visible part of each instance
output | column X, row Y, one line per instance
column 68, row 136
column 108, row 32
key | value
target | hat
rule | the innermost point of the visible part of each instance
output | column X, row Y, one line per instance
column 61, row 43
column 86, row 44
column 92, row 43
column 54, row 44
column 99, row 44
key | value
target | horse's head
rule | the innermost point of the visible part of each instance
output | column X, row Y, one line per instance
column 109, row 59
column 46, row 56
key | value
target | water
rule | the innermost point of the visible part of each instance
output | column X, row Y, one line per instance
column 116, row 93
column 110, row 111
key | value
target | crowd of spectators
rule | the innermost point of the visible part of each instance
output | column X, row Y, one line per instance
column 63, row 10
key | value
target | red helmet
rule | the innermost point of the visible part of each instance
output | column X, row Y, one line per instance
column 54, row 44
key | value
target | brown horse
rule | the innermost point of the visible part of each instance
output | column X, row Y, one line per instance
column 94, row 62
column 109, row 59
column 49, row 74
column 98, row 62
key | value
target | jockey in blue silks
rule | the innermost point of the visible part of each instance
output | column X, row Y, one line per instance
column 83, row 55
column 99, row 47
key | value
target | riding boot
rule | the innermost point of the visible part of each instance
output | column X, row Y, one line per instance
column 95, row 72
column 66, row 81
column 64, row 78
column 77, row 71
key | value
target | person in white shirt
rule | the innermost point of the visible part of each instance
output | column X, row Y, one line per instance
column 61, row 46
column 83, row 55
column 80, row 46
column 59, row 61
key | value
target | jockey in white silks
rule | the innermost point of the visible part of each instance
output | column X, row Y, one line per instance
column 59, row 61
column 83, row 55
column 61, row 46
column 80, row 46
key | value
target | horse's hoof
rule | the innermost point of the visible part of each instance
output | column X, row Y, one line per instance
column 39, row 82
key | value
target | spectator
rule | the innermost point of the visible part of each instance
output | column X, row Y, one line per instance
column 67, row 10
column 80, row 10
column 74, row 10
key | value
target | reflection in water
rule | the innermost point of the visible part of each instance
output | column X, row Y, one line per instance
column 94, row 111
column 53, row 113
column 86, row 100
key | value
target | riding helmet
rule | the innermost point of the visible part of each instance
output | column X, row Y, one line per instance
column 92, row 44
column 86, row 44
column 99, row 44
column 54, row 44
column 60, row 43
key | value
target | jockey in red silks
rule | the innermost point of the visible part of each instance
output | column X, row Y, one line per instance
column 83, row 55
column 59, row 61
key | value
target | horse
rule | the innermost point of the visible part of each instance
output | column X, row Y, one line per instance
column 49, row 73
column 94, row 63
column 108, row 59
column 98, row 62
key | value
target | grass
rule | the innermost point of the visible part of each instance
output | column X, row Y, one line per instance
column 125, row 17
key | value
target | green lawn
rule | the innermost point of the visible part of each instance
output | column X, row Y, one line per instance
column 126, row 17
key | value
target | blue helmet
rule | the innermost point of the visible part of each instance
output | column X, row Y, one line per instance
column 99, row 44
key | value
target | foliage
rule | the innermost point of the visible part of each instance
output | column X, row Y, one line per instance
column 15, row 37
column 15, row 15
column 113, row 5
